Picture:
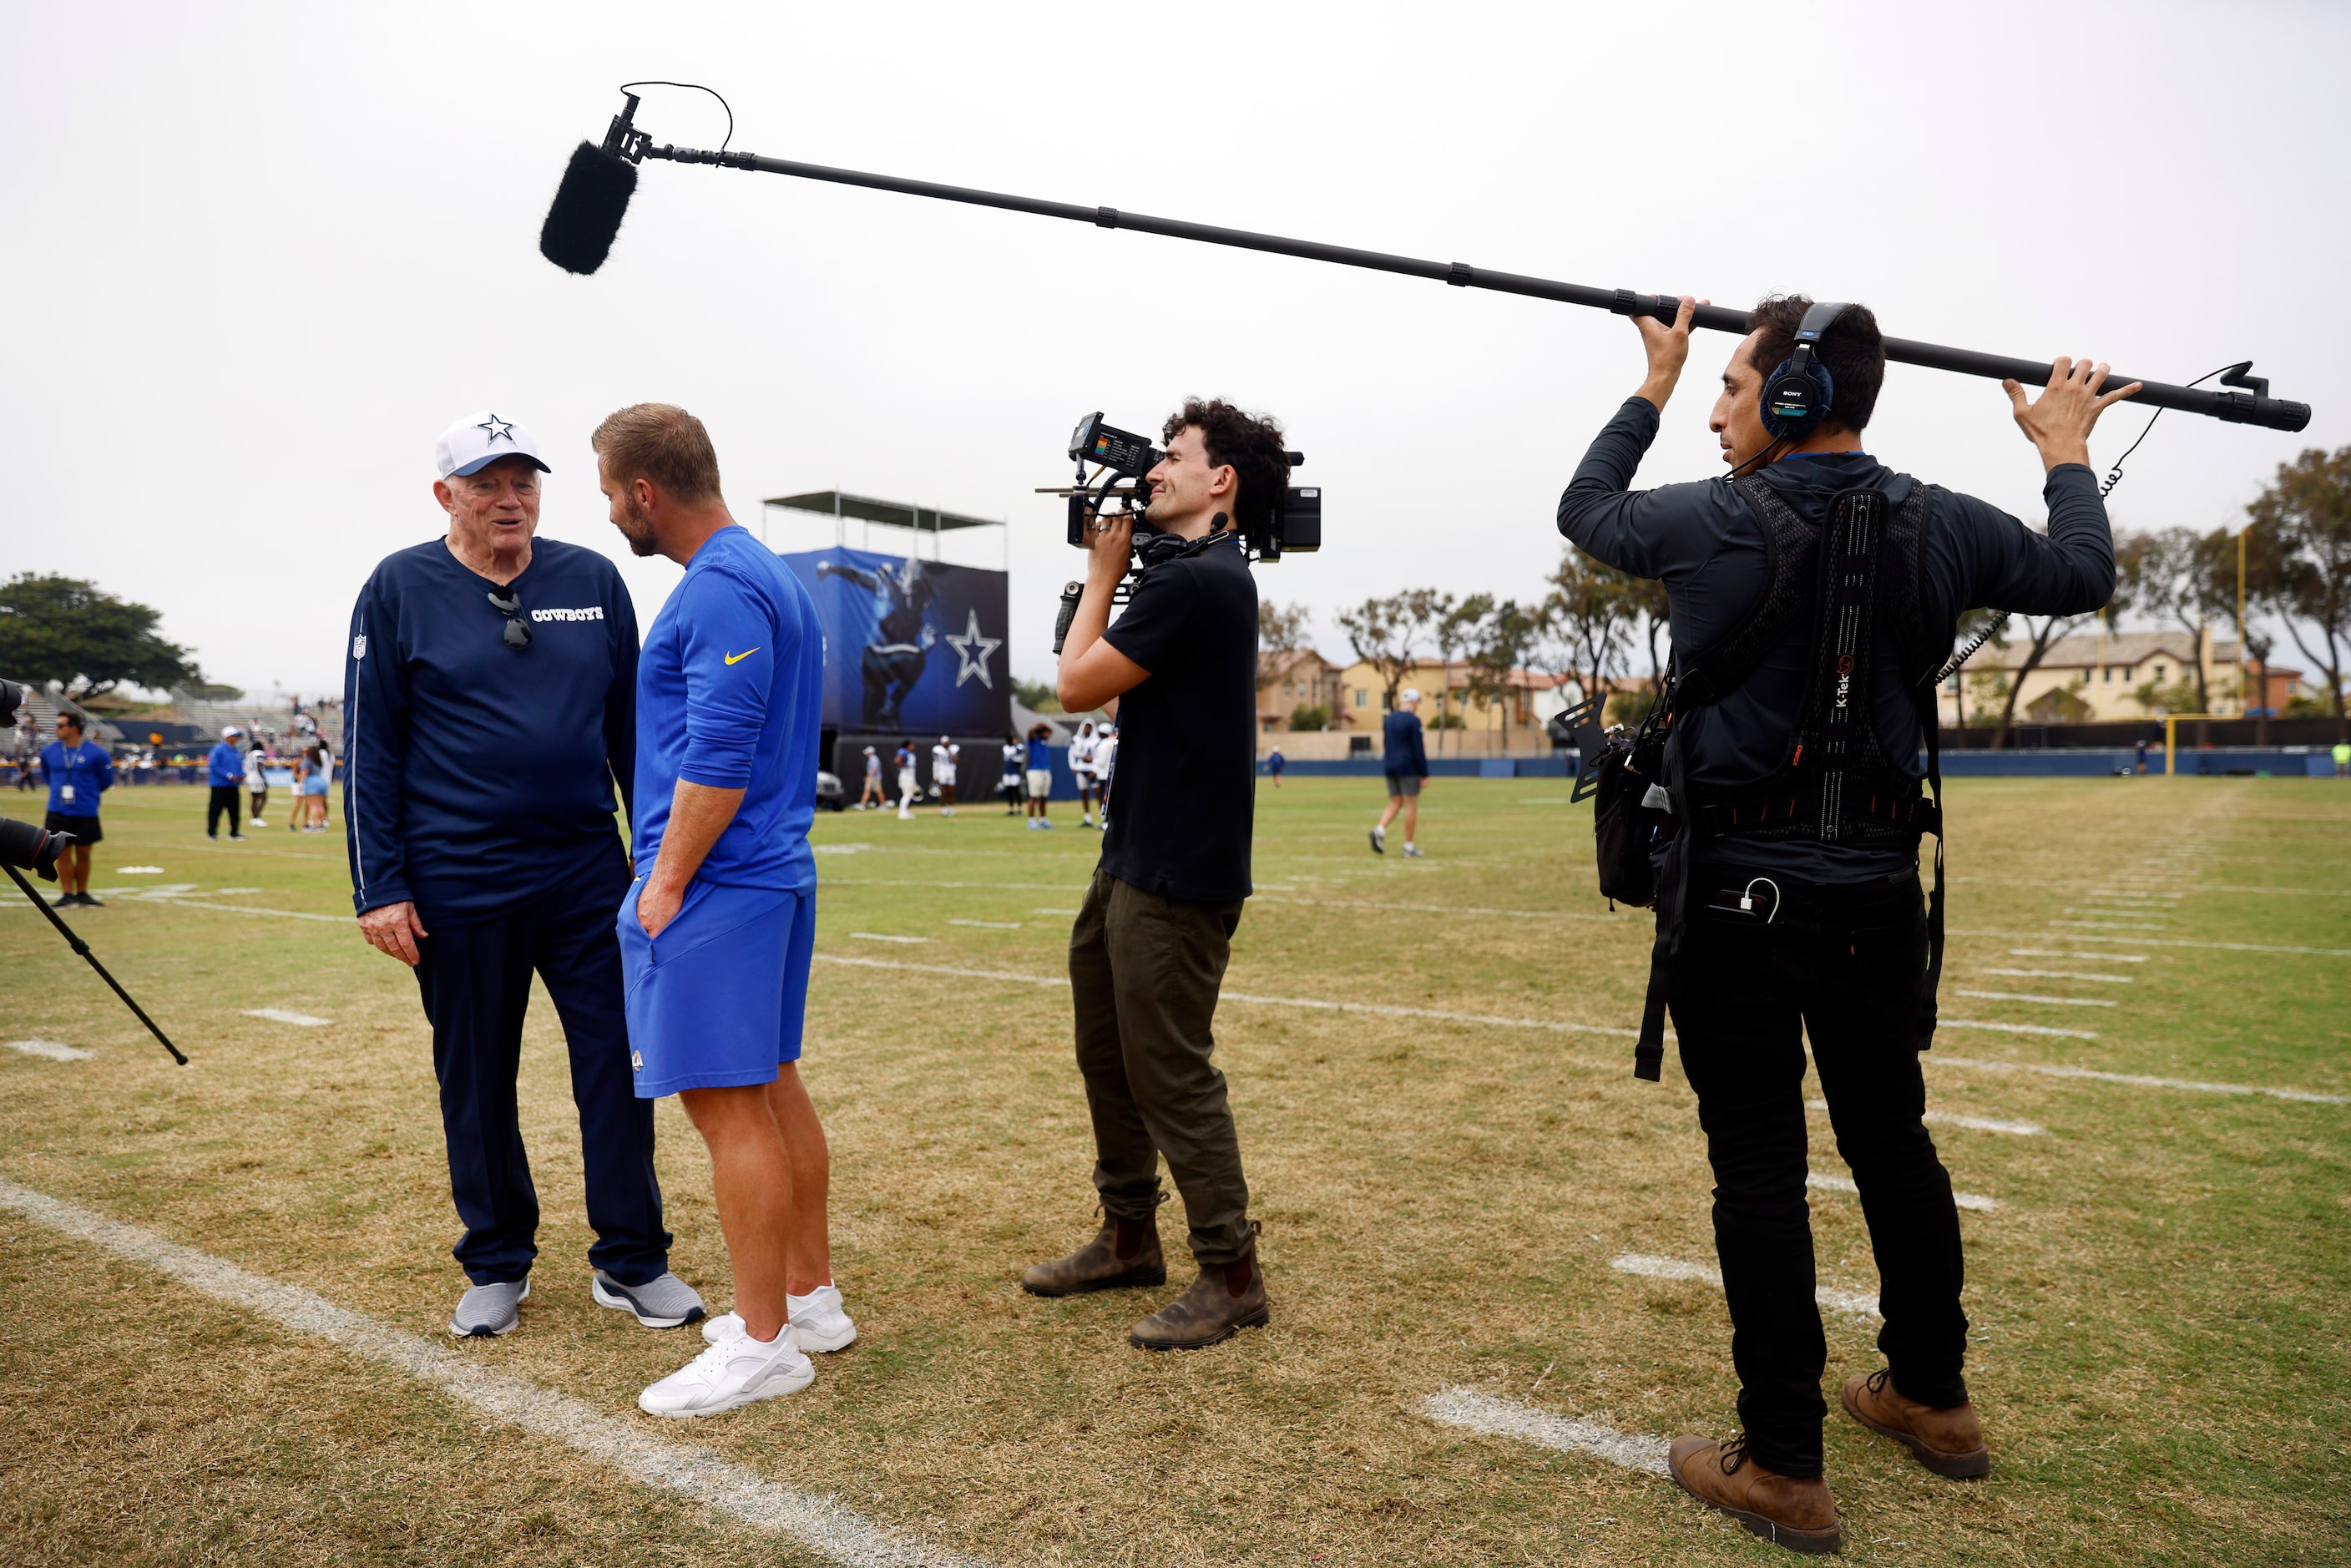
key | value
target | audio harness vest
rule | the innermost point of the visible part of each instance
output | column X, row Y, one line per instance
column 1835, row 783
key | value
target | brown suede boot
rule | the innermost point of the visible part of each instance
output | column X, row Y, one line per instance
column 1799, row 1515
column 1124, row 1252
column 1947, row 1442
column 1219, row 1303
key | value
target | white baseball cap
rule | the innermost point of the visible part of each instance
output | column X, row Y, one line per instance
column 478, row 440
column 1410, row 695
column 232, row 729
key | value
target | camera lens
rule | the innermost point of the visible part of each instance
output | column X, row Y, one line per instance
column 32, row 849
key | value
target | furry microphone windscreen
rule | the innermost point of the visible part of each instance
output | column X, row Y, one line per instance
column 586, row 215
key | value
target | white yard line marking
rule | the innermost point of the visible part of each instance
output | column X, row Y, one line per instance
column 987, row 886
column 1071, row 912
column 2018, row 1028
column 279, row 1015
column 53, row 1051
column 2304, row 1095
column 1498, row 1417
column 2169, row 942
column 877, row 937
column 1974, row 1124
column 1820, row 1181
column 1856, row 1303
column 989, row 925
column 2046, row 1001
column 2107, row 925
column 1436, row 908
column 1310, row 1003
column 2063, row 975
column 625, row 1444
column 2077, row 957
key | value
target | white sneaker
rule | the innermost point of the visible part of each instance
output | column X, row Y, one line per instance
column 734, row 1372
column 1379, row 841
column 819, row 1325
column 1412, row 851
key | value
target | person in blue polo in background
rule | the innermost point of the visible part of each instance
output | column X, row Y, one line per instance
column 489, row 707
column 224, row 771
column 1405, row 760
column 77, row 772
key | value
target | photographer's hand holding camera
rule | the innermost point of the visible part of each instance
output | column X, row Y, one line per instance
column 1789, row 902
column 1148, row 951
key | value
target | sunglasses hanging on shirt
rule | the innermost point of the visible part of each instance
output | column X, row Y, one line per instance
column 518, row 631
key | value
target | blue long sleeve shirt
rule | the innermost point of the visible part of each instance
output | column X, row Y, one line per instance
column 478, row 776
column 1706, row 543
column 76, row 777
column 1403, row 755
column 730, row 693
column 223, row 766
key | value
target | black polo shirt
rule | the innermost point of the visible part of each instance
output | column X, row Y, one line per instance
column 1184, row 789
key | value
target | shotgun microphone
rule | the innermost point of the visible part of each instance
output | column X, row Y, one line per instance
column 585, row 218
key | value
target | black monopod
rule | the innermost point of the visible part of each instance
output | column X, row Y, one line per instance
column 82, row 947
column 597, row 183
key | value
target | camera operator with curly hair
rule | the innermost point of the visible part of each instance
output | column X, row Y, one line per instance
column 1148, row 952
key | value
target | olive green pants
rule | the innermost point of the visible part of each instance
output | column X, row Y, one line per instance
column 1145, row 970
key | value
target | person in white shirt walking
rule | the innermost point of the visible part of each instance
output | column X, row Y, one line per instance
column 256, row 778
column 908, row 786
column 1082, row 769
column 944, row 757
column 872, row 801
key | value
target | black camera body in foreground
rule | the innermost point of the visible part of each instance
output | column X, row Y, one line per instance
column 1124, row 457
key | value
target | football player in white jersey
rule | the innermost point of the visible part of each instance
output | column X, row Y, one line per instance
column 943, row 757
column 1081, row 768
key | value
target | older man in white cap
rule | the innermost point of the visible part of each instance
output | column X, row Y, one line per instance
column 489, row 712
column 1404, row 758
column 225, row 769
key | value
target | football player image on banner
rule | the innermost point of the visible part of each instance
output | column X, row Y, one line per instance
column 910, row 644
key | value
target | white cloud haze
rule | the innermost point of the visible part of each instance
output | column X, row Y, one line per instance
column 259, row 255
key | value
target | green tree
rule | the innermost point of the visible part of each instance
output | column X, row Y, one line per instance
column 2183, row 577
column 1383, row 632
column 1281, row 629
column 1590, row 614
column 1453, row 632
column 65, row 629
column 1037, row 696
column 1309, row 716
column 2301, row 568
column 1505, row 640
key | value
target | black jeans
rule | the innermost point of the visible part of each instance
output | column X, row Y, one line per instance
column 475, row 980
column 1843, row 962
column 224, row 798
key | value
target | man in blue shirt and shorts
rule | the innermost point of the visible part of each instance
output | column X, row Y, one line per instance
column 77, row 772
column 718, row 929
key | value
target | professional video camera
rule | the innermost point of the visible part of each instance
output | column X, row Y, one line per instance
column 1121, row 459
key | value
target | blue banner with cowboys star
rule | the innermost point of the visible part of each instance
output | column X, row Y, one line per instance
column 911, row 646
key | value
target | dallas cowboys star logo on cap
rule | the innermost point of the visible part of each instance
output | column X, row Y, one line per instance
column 498, row 428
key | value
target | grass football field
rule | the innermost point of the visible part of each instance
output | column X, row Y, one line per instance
column 228, row 1284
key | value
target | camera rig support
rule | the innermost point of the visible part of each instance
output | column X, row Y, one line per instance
column 82, row 947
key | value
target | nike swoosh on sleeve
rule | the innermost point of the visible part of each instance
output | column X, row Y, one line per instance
column 738, row 658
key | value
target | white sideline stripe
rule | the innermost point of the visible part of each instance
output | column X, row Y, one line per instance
column 989, row 925
column 2049, row 1002
column 1820, row 1181
column 1498, row 1417
column 2302, row 1095
column 1855, row 1303
column 2018, row 1028
column 1434, row 908
column 622, row 1442
column 2107, row 925
column 877, row 937
column 279, row 1015
column 1974, row 1124
column 55, row 1051
column 2177, row 942
column 989, row 886
column 2063, row 975
column 2080, row 957
column 1310, row 1002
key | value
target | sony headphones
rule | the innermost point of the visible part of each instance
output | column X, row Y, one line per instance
column 1796, row 396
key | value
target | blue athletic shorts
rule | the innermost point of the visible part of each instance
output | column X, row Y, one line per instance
column 718, row 999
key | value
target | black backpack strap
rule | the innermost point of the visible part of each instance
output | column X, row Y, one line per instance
column 1673, row 889
column 1934, row 976
column 1788, row 583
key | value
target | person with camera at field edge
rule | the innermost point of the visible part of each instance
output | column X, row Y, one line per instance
column 1147, row 952
column 488, row 711
column 77, row 772
column 1810, row 923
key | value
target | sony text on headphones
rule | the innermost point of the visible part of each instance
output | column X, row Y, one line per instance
column 1797, row 395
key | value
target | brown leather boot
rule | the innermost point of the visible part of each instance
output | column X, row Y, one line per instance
column 1799, row 1515
column 1124, row 1252
column 1220, row 1303
column 1947, row 1442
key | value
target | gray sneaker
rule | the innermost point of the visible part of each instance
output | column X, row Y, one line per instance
column 667, row 1303
column 488, row 1310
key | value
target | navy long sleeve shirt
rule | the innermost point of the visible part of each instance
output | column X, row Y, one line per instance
column 1402, row 754
column 478, row 776
column 1706, row 543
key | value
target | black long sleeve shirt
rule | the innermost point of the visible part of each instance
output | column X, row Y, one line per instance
column 1707, row 544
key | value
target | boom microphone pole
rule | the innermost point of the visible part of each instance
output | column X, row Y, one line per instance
column 597, row 185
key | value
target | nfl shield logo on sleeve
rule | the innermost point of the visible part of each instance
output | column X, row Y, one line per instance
column 359, row 647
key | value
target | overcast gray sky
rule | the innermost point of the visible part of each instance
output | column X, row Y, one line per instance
column 259, row 255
